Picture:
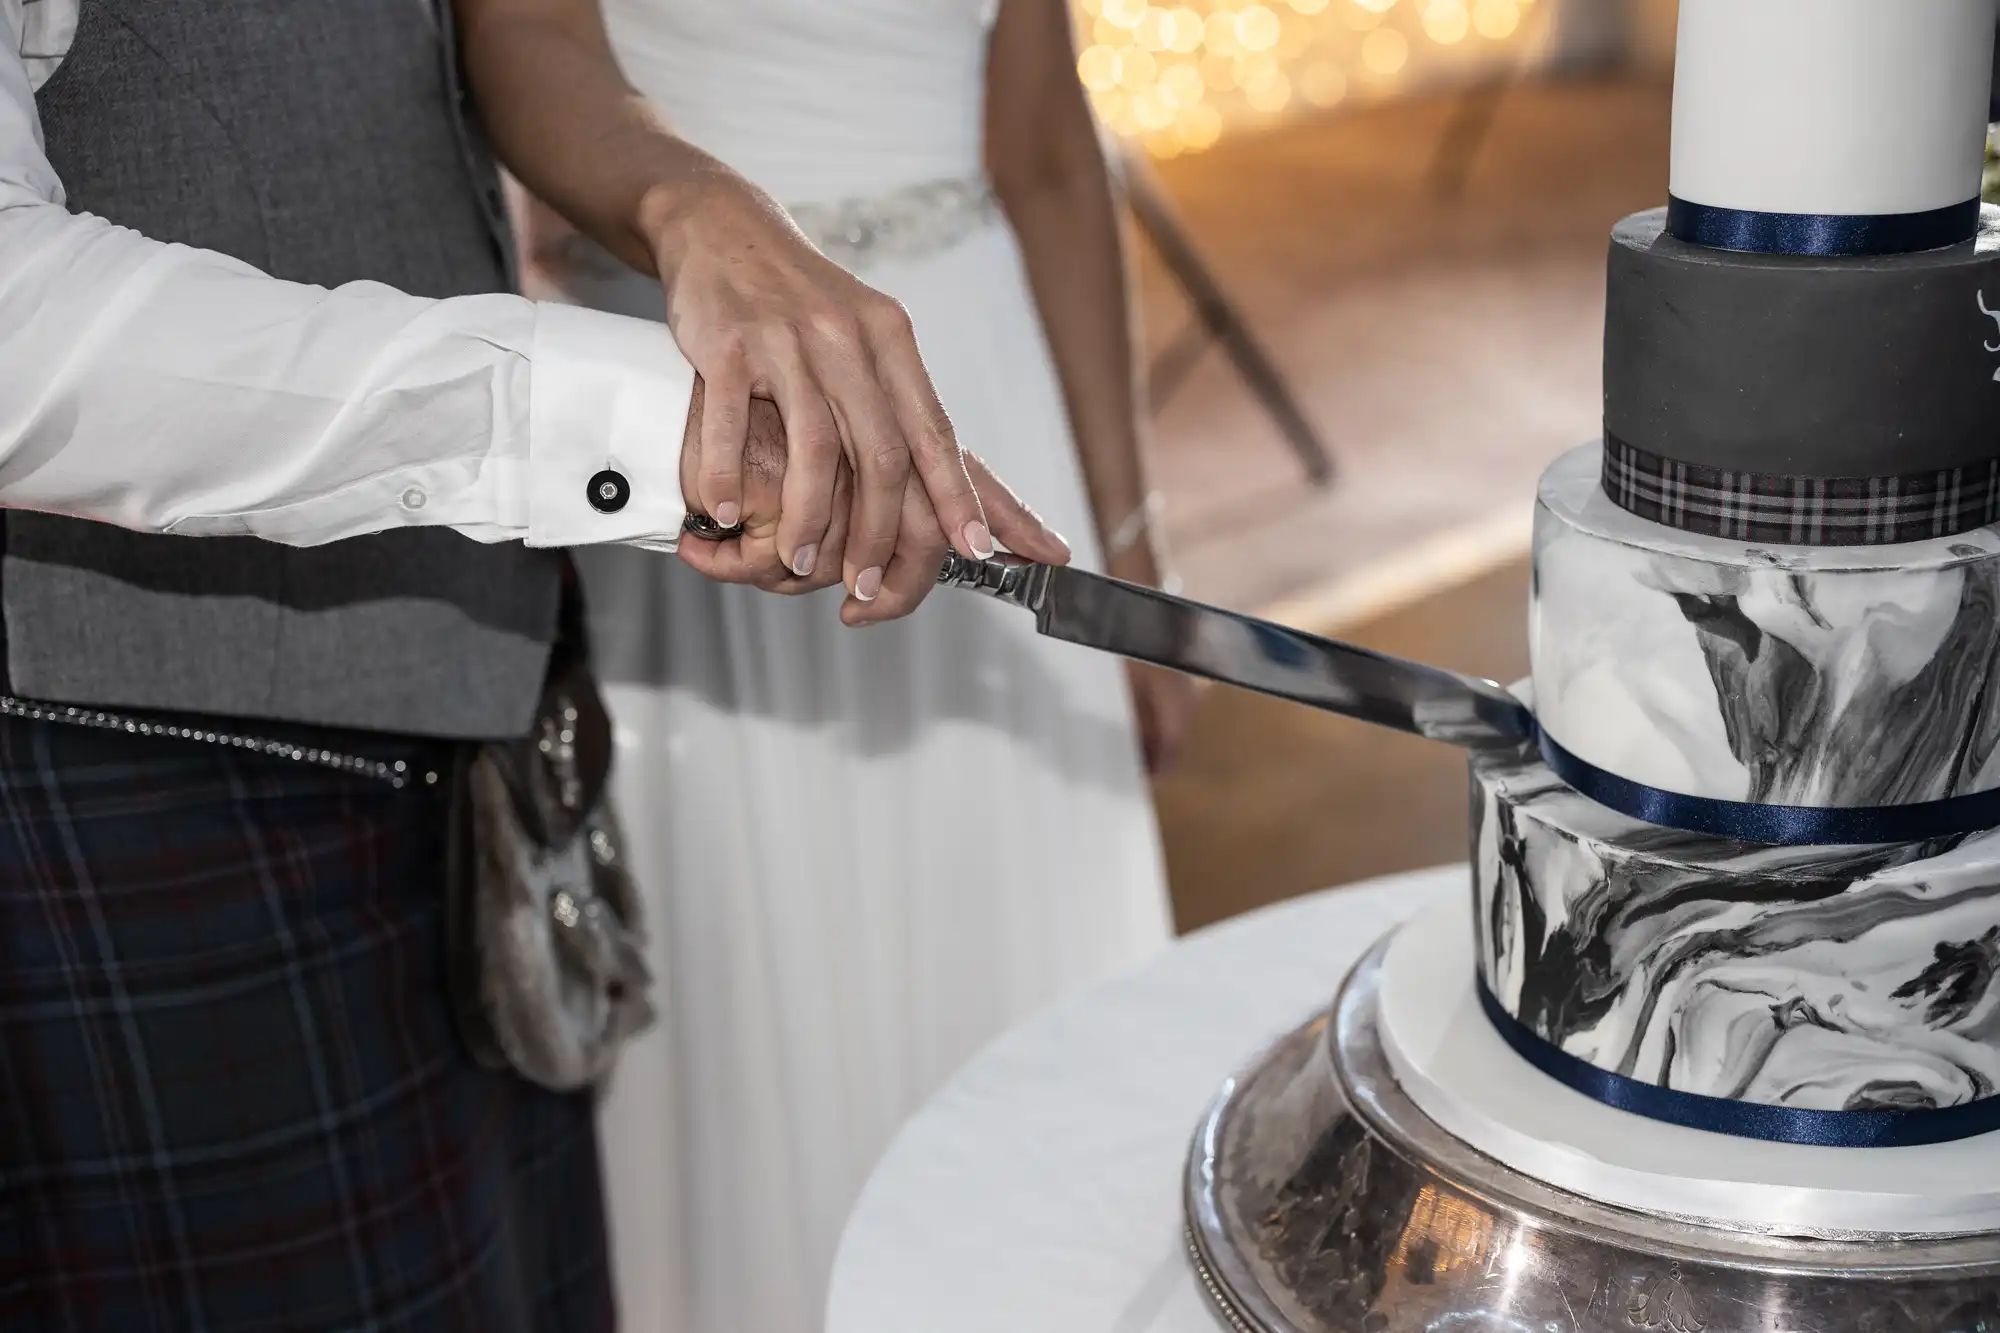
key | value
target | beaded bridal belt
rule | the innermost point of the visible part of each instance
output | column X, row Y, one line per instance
column 912, row 223
column 905, row 225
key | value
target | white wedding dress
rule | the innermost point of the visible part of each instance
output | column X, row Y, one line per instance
column 866, row 852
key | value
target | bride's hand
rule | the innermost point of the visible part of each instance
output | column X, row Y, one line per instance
column 920, row 549
column 760, row 314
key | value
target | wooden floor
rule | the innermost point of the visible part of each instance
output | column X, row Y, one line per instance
column 1448, row 346
column 1272, row 800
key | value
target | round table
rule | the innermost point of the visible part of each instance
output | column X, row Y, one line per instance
column 1041, row 1188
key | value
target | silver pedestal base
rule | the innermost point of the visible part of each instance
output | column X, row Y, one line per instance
column 1320, row 1200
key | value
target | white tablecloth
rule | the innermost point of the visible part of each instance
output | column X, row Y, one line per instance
column 1040, row 1190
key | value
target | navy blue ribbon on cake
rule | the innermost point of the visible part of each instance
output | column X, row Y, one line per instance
column 1746, row 1120
column 1781, row 825
column 1821, row 233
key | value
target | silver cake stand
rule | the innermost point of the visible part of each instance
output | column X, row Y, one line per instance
column 1321, row 1200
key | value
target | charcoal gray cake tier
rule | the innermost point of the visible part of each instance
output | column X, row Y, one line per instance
column 1803, row 365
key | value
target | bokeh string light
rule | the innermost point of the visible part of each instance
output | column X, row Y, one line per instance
column 1178, row 76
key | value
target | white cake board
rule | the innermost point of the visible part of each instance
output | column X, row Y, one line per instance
column 1462, row 1073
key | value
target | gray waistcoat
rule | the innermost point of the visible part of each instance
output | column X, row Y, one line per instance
column 322, row 141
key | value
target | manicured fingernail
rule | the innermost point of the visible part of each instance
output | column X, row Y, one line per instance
column 978, row 540
column 1062, row 541
column 869, row 584
column 727, row 513
column 802, row 559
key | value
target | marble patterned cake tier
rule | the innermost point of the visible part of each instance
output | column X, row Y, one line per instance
column 1822, row 978
column 1785, row 675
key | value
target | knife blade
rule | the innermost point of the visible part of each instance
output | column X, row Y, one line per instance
column 1151, row 626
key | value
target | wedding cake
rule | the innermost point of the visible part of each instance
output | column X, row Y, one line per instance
column 1754, row 863
column 1719, row 1050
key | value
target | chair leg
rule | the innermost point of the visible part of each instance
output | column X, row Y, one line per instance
column 1175, row 363
column 1465, row 133
column 1217, row 319
column 1474, row 110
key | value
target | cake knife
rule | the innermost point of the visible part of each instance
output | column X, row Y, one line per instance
column 1149, row 626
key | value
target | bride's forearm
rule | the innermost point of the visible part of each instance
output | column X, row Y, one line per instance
column 569, row 127
column 1049, row 170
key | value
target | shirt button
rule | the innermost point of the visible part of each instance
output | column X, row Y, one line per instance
column 414, row 498
column 608, row 491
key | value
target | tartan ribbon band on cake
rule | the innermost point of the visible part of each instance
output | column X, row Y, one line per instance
column 1801, row 511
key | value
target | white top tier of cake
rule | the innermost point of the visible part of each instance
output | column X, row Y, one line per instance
column 1839, row 107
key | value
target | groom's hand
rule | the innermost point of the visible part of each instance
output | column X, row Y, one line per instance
column 752, row 556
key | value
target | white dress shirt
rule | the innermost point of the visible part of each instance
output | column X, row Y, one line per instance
column 168, row 389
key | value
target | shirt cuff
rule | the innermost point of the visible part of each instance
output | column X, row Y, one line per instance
column 608, row 405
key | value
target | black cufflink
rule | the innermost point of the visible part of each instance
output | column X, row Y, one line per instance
column 608, row 491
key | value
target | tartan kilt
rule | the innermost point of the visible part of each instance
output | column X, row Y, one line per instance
column 232, row 1096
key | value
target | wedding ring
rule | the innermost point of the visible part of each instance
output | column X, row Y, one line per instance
column 706, row 528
